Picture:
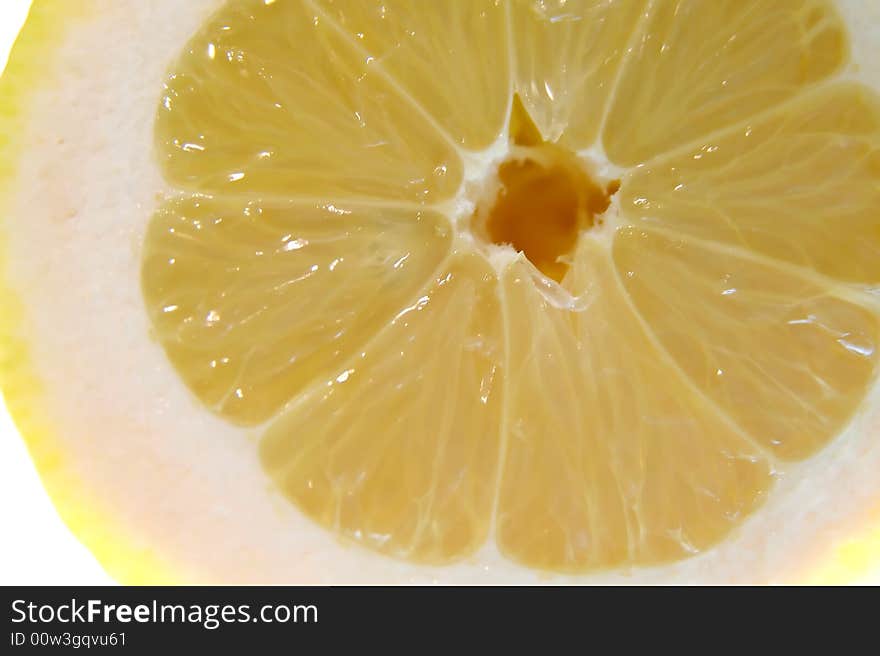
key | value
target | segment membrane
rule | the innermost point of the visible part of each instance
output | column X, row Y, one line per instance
column 270, row 98
column 785, row 358
column 612, row 457
column 567, row 55
column 451, row 57
column 700, row 66
column 801, row 185
column 252, row 300
column 398, row 450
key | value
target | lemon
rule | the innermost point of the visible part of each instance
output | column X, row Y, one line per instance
column 468, row 291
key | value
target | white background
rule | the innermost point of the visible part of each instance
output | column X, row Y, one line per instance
column 35, row 546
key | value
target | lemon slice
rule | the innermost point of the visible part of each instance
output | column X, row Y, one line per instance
column 331, row 290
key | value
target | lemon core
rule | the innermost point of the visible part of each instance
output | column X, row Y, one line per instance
column 540, row 198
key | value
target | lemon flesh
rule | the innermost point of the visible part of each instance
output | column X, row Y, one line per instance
column 409, row 384
column 311, row 275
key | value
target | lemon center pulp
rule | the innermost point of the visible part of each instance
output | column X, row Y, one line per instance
column 540, row 199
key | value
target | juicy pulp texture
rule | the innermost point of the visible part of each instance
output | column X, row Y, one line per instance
column 308, row 275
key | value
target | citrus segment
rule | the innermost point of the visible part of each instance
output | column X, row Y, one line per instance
column 269, row 98
column 451, row 59
column 700, row 66
column 567, row 55
column 785, row 358
column 411, row 472
column 801, row 185
column 611, row 456
column 252, row 301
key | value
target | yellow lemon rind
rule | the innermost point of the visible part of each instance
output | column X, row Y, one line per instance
column 122, row 556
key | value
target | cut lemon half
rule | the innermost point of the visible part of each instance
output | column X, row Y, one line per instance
column 461, row 291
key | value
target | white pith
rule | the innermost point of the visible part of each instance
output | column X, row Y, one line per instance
column 88, row 184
